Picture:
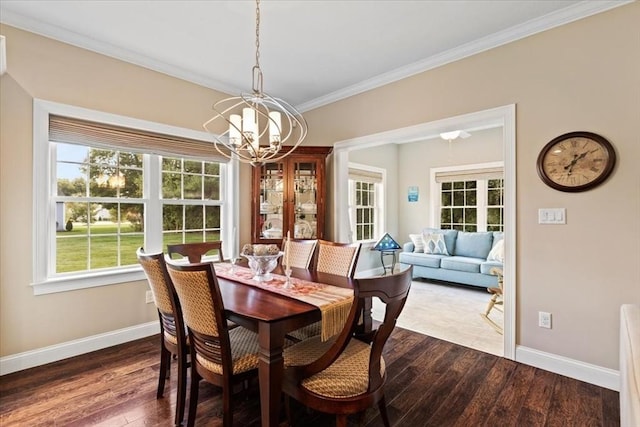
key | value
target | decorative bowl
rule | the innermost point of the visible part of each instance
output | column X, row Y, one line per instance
column 262, row 265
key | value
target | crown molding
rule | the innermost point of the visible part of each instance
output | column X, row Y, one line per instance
column 564, row 16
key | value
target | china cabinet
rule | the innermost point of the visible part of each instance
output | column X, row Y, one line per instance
column 289, row 196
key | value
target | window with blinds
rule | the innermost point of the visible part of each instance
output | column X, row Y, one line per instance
column 113, row 189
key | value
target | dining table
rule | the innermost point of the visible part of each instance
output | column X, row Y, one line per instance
column 272, row 316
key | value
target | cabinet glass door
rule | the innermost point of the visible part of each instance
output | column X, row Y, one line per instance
column 272, row 201
column 305, row 201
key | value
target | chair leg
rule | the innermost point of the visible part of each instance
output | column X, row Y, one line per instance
column 193, row 398
column 341, row 420
column 382, row 406
column 182, row 389
column 227, row 407
column 287, row 410
column 165, row 365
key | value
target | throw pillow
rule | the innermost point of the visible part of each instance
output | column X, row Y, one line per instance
column 418, row 243
column 434, row 244
column 497, row 252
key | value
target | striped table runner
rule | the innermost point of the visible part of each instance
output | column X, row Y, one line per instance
column 334, row 302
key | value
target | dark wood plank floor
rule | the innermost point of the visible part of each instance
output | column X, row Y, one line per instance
column 430, row 383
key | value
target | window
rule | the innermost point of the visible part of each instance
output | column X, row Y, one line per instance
column 366, row 200
column 469, row 198
column 115, row 185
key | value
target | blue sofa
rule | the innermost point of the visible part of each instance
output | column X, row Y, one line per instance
column 464, row 261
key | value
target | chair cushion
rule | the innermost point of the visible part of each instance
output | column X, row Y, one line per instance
column 348, row 376
column 425, row 260
column 306, row 351
column 307, row 331
column 244, row 352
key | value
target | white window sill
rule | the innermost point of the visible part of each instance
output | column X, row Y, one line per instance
column 89, row 280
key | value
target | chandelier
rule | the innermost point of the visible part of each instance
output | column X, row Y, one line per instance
column 257, row 125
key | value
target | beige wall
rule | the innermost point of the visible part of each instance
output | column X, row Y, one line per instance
column 41, row 68
column 582, row 76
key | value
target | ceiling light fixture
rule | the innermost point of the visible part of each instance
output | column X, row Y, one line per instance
column 257, row 125
column 454, row 134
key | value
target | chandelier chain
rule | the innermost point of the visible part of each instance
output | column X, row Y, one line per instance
column 257, row 71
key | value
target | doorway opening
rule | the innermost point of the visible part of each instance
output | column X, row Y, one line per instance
column 500, row 117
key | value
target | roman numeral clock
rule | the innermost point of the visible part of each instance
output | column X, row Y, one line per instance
column 576, row 161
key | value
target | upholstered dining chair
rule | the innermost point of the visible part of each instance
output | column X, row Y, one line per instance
column 347, row 375
column 196, row 251
column 173, row 339
column 300, row 252
column 333, row 258
column 219, row 355
column 337, row 258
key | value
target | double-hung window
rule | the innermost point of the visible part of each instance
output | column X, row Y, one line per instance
column 106, row 185
column 366, row 201
column 469, row 198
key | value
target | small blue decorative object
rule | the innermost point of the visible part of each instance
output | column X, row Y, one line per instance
column 387, row 246
column 386, row 243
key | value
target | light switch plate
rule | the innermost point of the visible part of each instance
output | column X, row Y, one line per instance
column 552, row 216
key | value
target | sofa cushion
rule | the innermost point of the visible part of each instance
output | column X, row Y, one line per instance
column 470, row 265
column 475, row 245
column 424, row 260
column 434, row 244
column 449, row 237
column 497, row 252
column 485, row 267
column 418, row 242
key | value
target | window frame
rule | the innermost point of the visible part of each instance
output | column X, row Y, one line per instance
column 378, row 208
column 481, row 191
column 44, row 186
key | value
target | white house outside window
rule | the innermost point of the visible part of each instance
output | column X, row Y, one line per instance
column 366, row 201
column 113, row 187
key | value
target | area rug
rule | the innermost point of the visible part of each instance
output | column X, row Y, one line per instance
column 451, row 313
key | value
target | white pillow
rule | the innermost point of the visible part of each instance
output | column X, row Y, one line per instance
column 434, row 244
column 497, row 252
column 418, row 243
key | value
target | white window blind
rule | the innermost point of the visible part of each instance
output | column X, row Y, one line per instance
column 365, row 176
column 85, row 132
column 470, row 174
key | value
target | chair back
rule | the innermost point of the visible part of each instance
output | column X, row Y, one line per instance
column 203, row 310
column 393, row 291
column 337, row 258
column 300, row 252
column 166, row 302
column 195, row 251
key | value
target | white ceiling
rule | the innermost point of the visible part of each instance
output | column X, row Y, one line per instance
column 311, row 52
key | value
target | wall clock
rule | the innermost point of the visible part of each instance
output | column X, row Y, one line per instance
column 576, row 161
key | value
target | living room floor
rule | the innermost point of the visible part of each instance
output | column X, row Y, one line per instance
column 452, row 313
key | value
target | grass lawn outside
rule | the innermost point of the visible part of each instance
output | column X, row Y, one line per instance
column 77, row 250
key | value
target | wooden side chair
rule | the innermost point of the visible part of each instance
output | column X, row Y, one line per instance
column 173, row 339
column 337, row 258
column 195, row 251
column 496, row 301
column 300, row 252
column 219, row 355
column 347, row 375
column 333, row 258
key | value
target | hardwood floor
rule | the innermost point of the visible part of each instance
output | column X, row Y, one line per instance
column 430, row 383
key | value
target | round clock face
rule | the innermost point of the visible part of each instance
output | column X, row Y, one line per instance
column 576, row 161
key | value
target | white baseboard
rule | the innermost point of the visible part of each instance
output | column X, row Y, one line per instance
column 592, row 374
column 42, row 356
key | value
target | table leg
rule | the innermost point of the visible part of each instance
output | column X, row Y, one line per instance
column 270, row 371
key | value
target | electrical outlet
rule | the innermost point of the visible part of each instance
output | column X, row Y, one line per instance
column 149, row 297
column 544, row 319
